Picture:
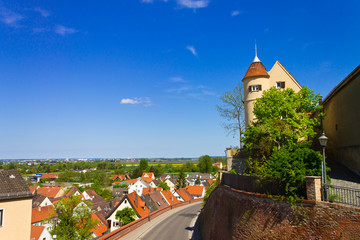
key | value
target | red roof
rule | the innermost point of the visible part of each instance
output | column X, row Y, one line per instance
column 184, row 194
column 131, row 181
column 147, row 179
column 100, row 228
column 256, row 69
column 119, row 176
column 195, row 190
column 42, row 213
column 49, row 176
column 211, row 181
column 149, row 174
column 33, row 189
column 49, row 192
column 36, row 232
column 138, row 204
column 149, row 190
column 167, row 194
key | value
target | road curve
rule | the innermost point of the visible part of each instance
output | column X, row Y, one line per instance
column 174, row 224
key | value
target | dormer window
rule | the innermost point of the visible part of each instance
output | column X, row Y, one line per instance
column 254, row 88
column 280, row 85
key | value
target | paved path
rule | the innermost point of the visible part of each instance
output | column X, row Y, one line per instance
column 174, row 224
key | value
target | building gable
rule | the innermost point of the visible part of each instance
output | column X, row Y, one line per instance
column 279, row 73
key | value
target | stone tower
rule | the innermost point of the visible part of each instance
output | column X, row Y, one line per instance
column 257, row 79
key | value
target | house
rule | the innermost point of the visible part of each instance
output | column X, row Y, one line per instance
column 120, row 177
column 100, row 227
column 41, row 201
column 15, row 206
column 138, row 186
column 33, row 189
column 218, row 164
column 341, row 122
column 51, row 192
column 40, row 233
column 132, row 200
column 98, row 202
column 43, row 216
column 119, row 192
column 183, row 195
column 196, row 191
column 149, row 190
column 49, row 177
column 74, row 191
column 170, row 198
column 171, row 182
column 148, row 175
column 158, row 199
column 257, row 79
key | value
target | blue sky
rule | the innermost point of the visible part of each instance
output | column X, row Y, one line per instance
column 132, row 78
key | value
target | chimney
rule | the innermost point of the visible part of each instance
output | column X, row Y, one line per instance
column 136, row 200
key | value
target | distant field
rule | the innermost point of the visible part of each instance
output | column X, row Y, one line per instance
column 155, row 164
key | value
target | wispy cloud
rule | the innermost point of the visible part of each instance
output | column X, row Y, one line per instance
column 192, row 50
column 235, row 13
column 178, row 90
column 42, row 11
column 9, row 17
column 194, row 4
column 192, row 91
column 177, row 79
column 62, row 30
column 135, row 101
column 266, row 30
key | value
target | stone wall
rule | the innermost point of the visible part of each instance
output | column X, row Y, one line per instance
column 235, row 214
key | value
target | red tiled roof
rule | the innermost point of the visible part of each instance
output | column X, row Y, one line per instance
column 131, row 181
column 167, row 194
column 49, row 192
column 149, row 190
column 36, row 232
column 211, row 181
column 33, row 189
column 138, row 204
column 195, row 190
column 72, row 191
column 149, row 174
column 42, row 213
column 118, row 176
column 184, row 194
column 256, row 69
column 49, row 176
column 100, row 227
column 147, row 179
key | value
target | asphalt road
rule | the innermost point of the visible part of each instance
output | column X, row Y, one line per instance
column 175, row 224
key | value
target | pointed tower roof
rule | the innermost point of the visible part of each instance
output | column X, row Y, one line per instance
column 256, row 68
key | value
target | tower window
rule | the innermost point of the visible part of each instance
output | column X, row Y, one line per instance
column 280, row 85
column 254, row 88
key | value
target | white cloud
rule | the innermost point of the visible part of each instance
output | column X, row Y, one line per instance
column 133, row 101
column 42, row 12
column 193, row 3
column 192, row 91
column 192, row 50
column 62, row 30
column 177, row 79
column 235, row 13
column 9, row 17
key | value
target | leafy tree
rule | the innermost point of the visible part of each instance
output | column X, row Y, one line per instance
column 197, row 181
column 144, row 164
column 205, row 164
column 125, row 216
column 137, row 172
column 75, row 220
column 232, row 109
column 163, row 185
column 159, row 170
column 283, row 119
column 106, row 194
column 181, row 182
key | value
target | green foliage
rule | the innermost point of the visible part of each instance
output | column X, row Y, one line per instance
column 106, row 194
column 205, row 164
column 197, row 181
column 125, row 216
column 181, row 182
column 137, row 172
column 209, row 190
column 75, row 220
column 232, row 109
column 283, row 119
column 159, row 170
column 255, row 166
column 120, row 185
column 144, row 164
column 163, row 185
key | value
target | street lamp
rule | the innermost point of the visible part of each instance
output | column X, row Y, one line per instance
column 323, row 141
column 55, row 221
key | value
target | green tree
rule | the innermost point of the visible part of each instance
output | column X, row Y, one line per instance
column 75, row 220
column 181, row 182
column 283, row 118
column 137, row 172
column 163, row 185
column 205, row 164
column 125, row 216
column 232, row 109
column 159, row 170
column 144, row 164
column 106, row 194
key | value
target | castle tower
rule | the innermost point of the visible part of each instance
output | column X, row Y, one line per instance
column 257, row 79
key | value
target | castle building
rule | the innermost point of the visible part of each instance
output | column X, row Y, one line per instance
column 257, row 79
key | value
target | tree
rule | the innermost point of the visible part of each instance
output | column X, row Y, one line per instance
column 125, row 216
column 75, row 220
column 163, row 185
column 143, row 164
column 205, row 164
column 283, row 118
column 181, row 182
column 232, row 109
column 137, row 172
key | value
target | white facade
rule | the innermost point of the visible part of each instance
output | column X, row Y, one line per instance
column 114, row 223
column 138, row 187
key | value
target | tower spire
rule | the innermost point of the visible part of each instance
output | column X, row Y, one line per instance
column 256, row 59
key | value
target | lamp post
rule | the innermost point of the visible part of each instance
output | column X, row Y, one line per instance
column 55, row 221
column 323, row 141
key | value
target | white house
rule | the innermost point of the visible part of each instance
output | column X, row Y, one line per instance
column 138, row 186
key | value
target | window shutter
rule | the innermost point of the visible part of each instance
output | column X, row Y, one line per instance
column 249, row 88
column 282, row 84
column 259, row 87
